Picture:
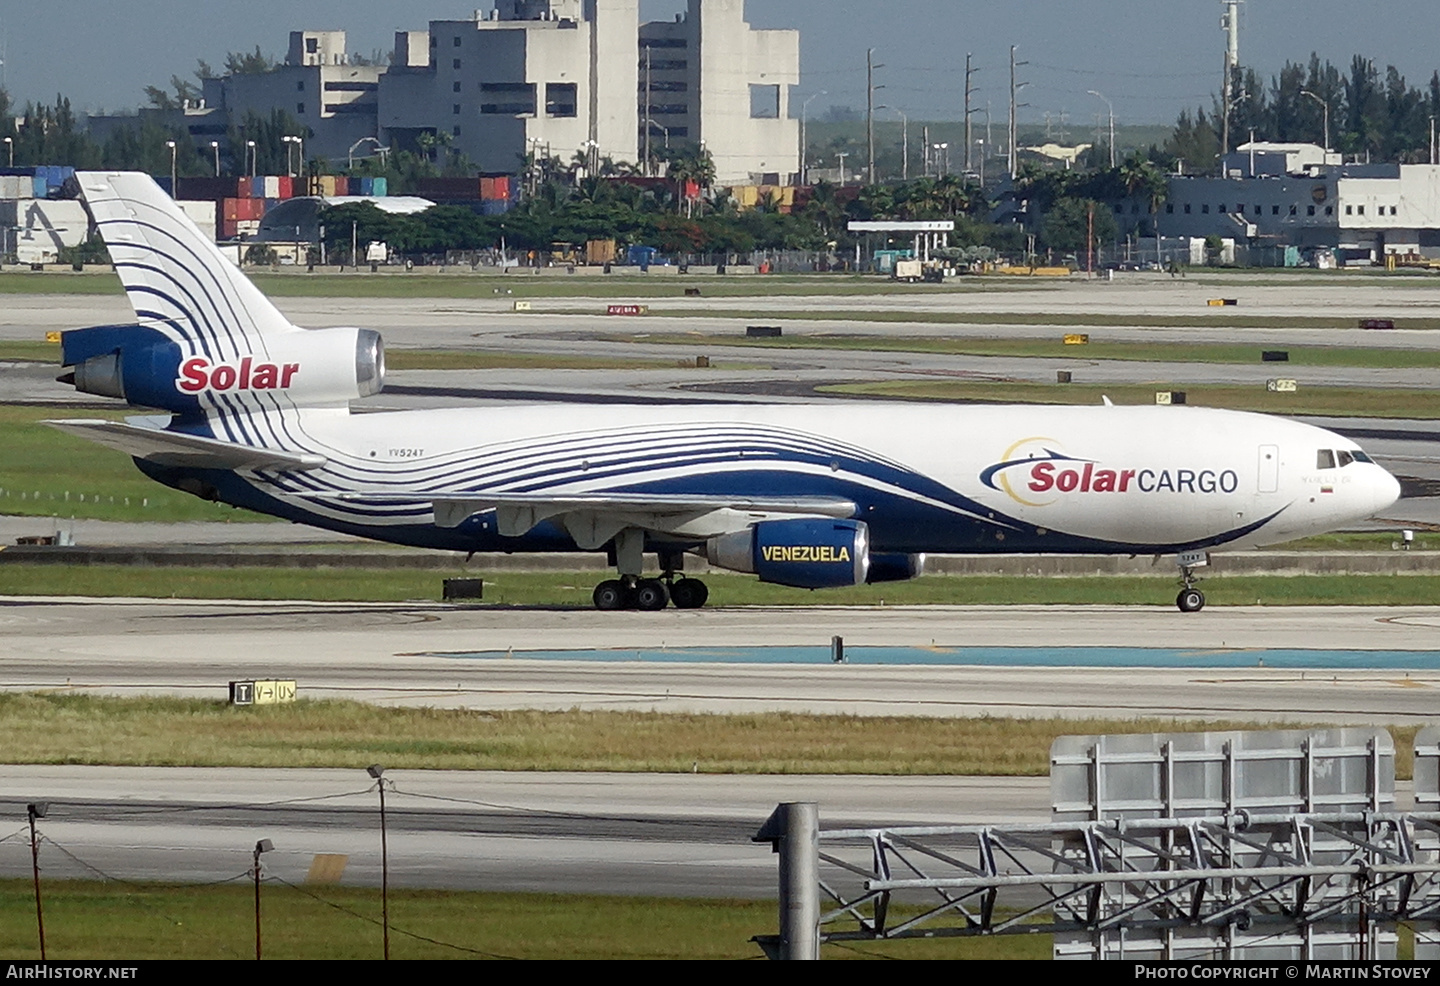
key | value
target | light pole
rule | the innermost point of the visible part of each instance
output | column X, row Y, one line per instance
column 1324, row 105
column 250, row 150
column 10, row 146
column 215, row 149
column 34, row 811
column 981, row 142
column 804, row 167
column 171, row 144
column 904, row 141
column 943, row 149
column 378, row 772
column 264, row 845
column 1112, row 124
column 289, row 142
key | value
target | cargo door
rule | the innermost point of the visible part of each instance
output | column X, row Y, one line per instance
column 1269, row 471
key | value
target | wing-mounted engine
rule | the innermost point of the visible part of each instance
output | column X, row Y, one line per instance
column 806, row 553
column 148, row 368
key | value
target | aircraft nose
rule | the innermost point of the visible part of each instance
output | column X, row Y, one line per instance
column 1385, row 490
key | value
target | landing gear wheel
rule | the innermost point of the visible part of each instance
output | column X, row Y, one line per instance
column 651, row 595
column 689, row 594
column 1190, row 600
column 611, row 594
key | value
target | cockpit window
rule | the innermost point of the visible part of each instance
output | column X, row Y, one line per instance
column 1360, row 456
column 1324, row 459
column 1344, row 457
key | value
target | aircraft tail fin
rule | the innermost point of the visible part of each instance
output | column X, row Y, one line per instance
column 175, row 277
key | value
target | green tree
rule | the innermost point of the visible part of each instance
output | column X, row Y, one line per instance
column 1067, row 225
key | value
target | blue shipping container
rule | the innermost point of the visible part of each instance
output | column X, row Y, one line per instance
column 494, row 207
column 40, row 188
column 164, row 182
column 380, row 187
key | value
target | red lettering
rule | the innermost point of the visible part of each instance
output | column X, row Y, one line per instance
column 266, row 376
column 193, row 377
column 1125, row 478
column 1067, row 480
column 222, row 377
column 1104, row 481
column 1041, row 478
column 245, row 373
column 290, row 370
column 1085, row 477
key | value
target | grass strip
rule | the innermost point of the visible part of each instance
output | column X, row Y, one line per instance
column 573, row 589
column 1200, row 320
column 1150, row 352
column 69, row 728
column 1356, row 402
column 435, row 359
column 118, row 920
column 47, row 473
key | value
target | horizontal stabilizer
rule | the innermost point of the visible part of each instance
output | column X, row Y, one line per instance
column 172, row 448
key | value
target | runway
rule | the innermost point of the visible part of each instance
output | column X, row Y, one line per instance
column 627, row 834
column 397, row 654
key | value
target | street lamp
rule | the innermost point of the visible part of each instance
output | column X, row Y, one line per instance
column 10, row 146
column 981, row 142
column 215, row 149
column 945, row 148
column 1324, row 105
column 250, row 149
column 804, row 166
column 171, row 144
column 264, row 845
column 1112, row 124
column 376, row 771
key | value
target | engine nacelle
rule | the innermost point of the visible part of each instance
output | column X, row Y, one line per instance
column 313, row 367
column 895, row 568
column 808, row 554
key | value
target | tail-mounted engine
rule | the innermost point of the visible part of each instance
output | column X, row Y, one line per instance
column 316, row 367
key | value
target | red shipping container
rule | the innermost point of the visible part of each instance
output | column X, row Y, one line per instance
column 502, row 188
column 287, row 187
column 230, row 210
column 251, row 209
column 342, row 185
column 487, row 190
column 228, row 229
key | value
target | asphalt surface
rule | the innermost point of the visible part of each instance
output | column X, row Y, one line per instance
column 424, row 655
column 672, row 835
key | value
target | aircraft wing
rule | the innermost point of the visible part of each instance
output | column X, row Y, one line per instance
column 594, row 518
column 170, row 448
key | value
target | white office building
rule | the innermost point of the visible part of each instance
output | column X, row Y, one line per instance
column 545, row 77
column 1301, row 195
column 317, row 85
column 712, row 80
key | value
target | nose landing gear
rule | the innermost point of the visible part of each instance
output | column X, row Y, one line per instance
column 1190, row 599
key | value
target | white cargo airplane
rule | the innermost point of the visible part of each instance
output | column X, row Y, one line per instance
column 814, row 496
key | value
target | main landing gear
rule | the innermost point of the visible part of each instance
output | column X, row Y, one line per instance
column 632, row 591
column 651, row 595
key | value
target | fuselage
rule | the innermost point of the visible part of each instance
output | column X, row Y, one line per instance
column 924, row 478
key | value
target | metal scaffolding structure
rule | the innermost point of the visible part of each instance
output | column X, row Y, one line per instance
column 1224, row 846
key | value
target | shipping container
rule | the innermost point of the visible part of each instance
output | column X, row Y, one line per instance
column 450, row 189
column 252, row 209
column 38, row 188
column 382, row 187
column 270, row 187
column 17, row 187
column 502, row 187
column 495, row 208
column 487, row 190
column 228, row 228
column 286, row 187
column 342, row 185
